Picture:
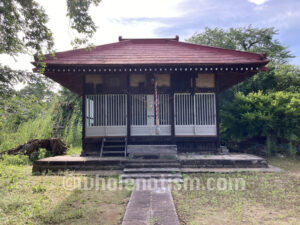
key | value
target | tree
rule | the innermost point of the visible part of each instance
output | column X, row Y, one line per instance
column 275, row 116
column 260, row 40
column 266, row 106
column 23, row 29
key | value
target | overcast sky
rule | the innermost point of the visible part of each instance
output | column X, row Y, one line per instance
column 167, row 18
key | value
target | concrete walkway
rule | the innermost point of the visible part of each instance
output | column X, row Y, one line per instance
column 150, row 203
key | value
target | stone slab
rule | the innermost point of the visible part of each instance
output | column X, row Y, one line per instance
column 119, row 163
column 151, row 176
column 270, row 169
column 151, row 207
column 219, row 157
column 151, row 170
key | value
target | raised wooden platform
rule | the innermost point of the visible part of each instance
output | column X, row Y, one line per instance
column 119, row 163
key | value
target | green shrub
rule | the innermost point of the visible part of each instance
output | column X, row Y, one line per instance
column 257, row 115
column 15, row 160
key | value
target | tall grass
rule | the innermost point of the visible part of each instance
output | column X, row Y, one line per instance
column 72, row 131
column 40, row 127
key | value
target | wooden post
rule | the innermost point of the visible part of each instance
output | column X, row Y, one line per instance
column 128, row 107
column 83, row 104
column 156, row 108
column 172, row 119
column 217, row 110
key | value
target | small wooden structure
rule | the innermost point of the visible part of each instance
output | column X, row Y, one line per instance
column 151, row 91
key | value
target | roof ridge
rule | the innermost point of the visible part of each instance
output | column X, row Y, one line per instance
column 148, row 39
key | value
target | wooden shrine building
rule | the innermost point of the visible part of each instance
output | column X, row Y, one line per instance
column 151, row 91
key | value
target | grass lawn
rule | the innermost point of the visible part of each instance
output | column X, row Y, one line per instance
column 268, row 198
column 28, row 199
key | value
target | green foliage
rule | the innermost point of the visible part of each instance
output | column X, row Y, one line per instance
column 271, row 147
column 74, row 150
column 80, row 20
column 279, row 77
column 39, row 127
column 23, row 29
column 68, row 116
column 9, row 78
column 273, row 116
column 17, row 160
column 29, row 118
column 39, row 188
column 262, row 110
column 72, row 132
column 260, row 114
column 292, row 150
column 260, row 40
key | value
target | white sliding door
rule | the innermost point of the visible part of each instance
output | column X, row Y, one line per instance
column 195, row 114
column 106, row 115
column 143, row 115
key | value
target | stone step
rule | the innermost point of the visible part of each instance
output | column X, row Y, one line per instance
column 92, row 153
column 151, row 170
column 111, row 139
column 113, row 152
column 153, row 161
column 153, row 165
column 151, row 176
column 113, row 146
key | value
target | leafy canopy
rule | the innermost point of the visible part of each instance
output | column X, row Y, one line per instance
column 267, row 104
column 259, row 40
column 23, row 29
column 258, row 114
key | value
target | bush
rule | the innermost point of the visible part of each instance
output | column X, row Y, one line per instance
column 274, row 117
column 15, row 160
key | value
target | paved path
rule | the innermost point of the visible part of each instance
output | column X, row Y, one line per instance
column 151, row 205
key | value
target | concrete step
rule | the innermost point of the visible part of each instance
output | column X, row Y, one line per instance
column 113, row 146
column 152, row 176
column 113, row 152
column 151, row 170
column 94, row 153
column 115, row 140
column 152, row 165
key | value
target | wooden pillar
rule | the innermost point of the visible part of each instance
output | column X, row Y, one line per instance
column 128, row 108
column 83, row 111
column 172, row 115
column 217, row 109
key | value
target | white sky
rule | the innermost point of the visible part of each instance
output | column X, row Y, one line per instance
column 109, row 16
column 258, row 2
column 149, row 18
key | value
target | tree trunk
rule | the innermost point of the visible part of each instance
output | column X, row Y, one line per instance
column 53, row 145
